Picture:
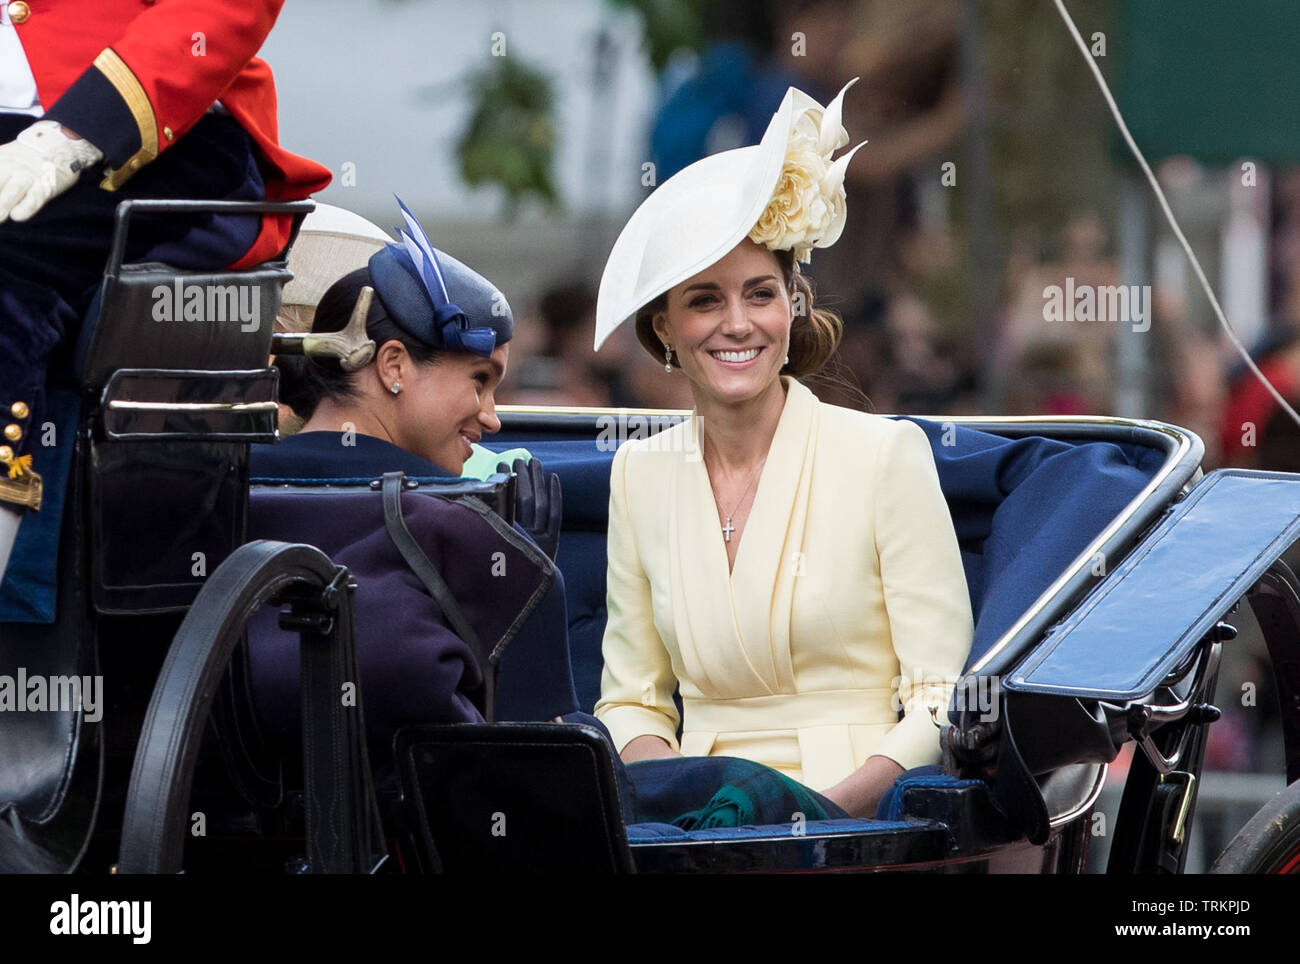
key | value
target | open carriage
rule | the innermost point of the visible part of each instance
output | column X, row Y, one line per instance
column 1106, row 574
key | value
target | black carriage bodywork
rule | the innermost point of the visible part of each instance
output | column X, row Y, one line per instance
column 156, row 418
column 162, row 429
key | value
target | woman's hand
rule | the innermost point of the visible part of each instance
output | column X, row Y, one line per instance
column 647, row 748
column 538, row 504
column 860, row 792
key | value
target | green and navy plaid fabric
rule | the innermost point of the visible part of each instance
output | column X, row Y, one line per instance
column 696, row 793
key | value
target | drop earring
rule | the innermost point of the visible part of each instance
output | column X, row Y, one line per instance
column 668, row 359
column 397, row 387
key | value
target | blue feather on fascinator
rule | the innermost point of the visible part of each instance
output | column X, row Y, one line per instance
column 452, row 323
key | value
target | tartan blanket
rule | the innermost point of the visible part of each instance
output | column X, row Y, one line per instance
column 696, row 793
column 699, row 792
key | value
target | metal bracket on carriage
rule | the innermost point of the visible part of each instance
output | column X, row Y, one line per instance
column 314, row 612
column 972, row 747
column 1144, row 718
column 377, row 484
column 350, row 347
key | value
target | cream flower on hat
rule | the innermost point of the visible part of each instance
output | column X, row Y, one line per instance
column 786, row 193
column 807, row 209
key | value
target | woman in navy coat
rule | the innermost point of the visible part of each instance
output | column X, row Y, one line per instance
column 414, row 390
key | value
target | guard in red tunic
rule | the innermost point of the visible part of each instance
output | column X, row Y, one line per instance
column 102, row 100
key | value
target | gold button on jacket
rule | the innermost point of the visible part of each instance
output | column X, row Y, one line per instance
column 19, row 11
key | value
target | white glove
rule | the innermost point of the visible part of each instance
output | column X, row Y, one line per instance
column 40, row 163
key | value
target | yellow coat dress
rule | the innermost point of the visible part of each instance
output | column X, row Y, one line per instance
column 847, row 601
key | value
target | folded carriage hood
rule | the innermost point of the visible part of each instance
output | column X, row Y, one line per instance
column 1143, row 619
column 1066, row 702
column 1142, row 623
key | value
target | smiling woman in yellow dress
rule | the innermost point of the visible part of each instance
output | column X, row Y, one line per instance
column 791, row 566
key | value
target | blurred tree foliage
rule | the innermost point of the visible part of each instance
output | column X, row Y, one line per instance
column 510, row 138
column 1050, row 134
column 1052, row 138
column 511, row 135
column 669, row 25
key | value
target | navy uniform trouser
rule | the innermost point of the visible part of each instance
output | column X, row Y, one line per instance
column 51, row 265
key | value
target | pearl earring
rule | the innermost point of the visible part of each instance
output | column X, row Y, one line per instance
column 668, row 359
column 787, row 359
column 397, row 387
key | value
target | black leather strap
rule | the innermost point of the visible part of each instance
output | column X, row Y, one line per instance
column 1015, row 791
column 428, row 574
column 339, row 794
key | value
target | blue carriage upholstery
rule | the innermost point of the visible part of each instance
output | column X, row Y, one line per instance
column 1023, row 509
column 666, row 831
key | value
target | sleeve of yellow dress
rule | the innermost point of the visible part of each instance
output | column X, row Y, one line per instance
column 925, row 591
column 637, row 683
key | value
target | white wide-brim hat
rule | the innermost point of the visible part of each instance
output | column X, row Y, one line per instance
column 785, row 192
column 331, row 243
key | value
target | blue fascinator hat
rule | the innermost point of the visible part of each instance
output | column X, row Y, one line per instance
column 436, row 299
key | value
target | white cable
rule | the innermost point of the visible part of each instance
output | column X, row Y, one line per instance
column 1169, row 215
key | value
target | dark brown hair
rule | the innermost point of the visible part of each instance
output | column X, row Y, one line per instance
column 305, row 381
column 815, row 333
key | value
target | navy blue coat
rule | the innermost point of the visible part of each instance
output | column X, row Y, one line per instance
column 414, row 669
column 323, row 455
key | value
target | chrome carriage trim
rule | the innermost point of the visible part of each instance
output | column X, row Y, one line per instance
column 1207, row 668
column 122, row 405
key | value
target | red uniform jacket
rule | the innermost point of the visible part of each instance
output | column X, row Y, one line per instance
column 132, row 76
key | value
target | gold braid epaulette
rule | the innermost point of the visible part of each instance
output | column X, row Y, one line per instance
column 20, row 485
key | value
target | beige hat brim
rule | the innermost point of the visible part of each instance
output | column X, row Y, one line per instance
column 332, row 242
